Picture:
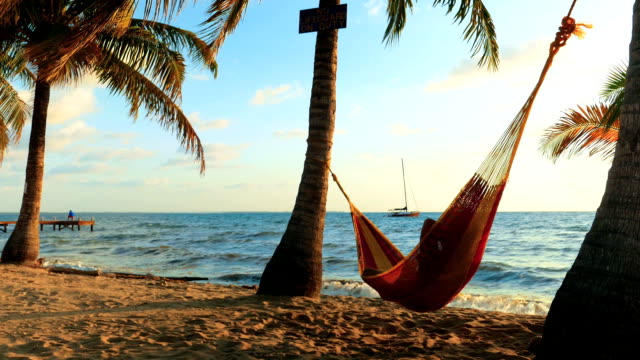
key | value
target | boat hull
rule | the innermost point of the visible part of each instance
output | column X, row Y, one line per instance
column 405, row 214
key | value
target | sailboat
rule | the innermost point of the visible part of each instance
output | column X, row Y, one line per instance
column 403, row 211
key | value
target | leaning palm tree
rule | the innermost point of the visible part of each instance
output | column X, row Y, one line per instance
column 295, row 269
column 596, row 312
column 592, row 129
column 63, row 40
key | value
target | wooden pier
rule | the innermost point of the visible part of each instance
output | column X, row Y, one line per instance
column 57, row 224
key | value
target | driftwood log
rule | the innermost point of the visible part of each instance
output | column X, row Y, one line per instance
column 65, row 270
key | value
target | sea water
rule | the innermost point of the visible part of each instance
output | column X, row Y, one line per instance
column 526, row 258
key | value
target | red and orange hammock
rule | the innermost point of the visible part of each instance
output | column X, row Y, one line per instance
column 450, row 248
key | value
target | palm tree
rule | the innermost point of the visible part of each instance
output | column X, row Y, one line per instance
column 592, row 129
column 62, row 40
column 295, row 269
column 596, row 312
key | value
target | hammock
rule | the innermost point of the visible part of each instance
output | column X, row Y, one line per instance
column 451, row 248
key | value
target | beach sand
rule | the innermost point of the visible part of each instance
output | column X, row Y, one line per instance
column 47, row 315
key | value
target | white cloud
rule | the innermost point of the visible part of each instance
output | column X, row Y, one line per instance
column 199, row 77
column 468, row 75
column 291, row 134
column 219, row 154
column 200, row 124
column 135, row 153
column 270, row 95
column 373, row 7
column 73, row 103
column 78, row 131
column 125, row 138
column 156, row 181
column 216, row 155
column 355, row 111
column 74, row 169
column 403, row 129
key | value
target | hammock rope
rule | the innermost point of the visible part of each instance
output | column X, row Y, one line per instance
column 450, row 248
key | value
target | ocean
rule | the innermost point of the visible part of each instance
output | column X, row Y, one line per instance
column 526, row 258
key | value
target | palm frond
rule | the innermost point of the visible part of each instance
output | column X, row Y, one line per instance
column 14, row 64
column 143, row 52
column 397, row 13
column 154, row 9
column 4, row 139
column 581, row 131
column 14, row 113
column 180, row 39
column 79, row 65
column 53, row 53
column 480, row 31
column 614, row 84
column 613, row 94
column 224, row 17
column 123, row 79
column 9, row 11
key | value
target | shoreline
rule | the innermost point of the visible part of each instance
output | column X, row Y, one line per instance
column 50, row 316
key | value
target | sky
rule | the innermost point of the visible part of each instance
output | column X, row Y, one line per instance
column 422, row 100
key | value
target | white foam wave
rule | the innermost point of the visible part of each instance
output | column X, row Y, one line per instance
column 501, row 303
column 74, row 265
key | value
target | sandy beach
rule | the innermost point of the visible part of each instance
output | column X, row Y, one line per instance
column 48, row 315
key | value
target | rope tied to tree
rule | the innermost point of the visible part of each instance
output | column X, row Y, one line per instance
column 566, row 29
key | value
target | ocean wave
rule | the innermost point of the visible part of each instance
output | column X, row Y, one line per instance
column 501, row 303
column 239, row 279
column 162, row 225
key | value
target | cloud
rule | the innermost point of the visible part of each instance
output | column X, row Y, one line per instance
column 80, row 169
column 355, row 111
column 77, row 131
column 468, row 75
column 72, row 104
column 125, row 138
column 200, row 124
column 217, row 156
column 199, row 77
column 373, row 7
column 270, row 95
column 403, row 130
column 156, row 182
column 291, row 134
column 219, row 153
column 135, row 153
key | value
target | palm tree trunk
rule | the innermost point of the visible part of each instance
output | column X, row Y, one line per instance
column 23, row 245
column 596, row 312
column 295, row 269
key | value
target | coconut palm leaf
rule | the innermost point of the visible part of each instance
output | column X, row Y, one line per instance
column 14, row 112
column 90, row 18
column 224, row 17
column 480, row 31
column 181, row 39
column 166, row 8
column 581, row 131
column 142, row 52
column 613, row 93
column 9, row 11
column 123, row 79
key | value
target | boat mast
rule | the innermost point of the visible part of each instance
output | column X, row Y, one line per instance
column 404, row 184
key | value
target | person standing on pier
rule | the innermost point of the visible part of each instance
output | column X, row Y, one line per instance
column 71, row 215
